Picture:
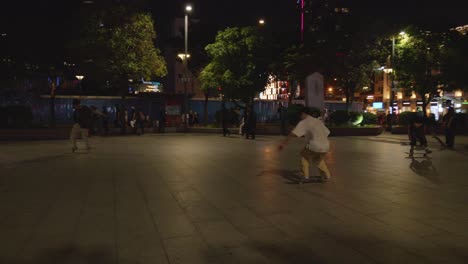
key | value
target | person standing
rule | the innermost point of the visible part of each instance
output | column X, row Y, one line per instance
column 162, row 120
column 251, row 123
column 81, row 124
column 282, row 117
column 449, row 127
column 313, row 154
column 105, row 120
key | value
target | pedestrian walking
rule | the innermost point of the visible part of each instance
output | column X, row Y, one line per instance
column 251, row 123
column 317, row 146
column 242, row 123
column 449, row 127
column 81, row 124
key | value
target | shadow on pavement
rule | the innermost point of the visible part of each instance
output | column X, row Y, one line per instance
column 53, row 158
column 425, row 168
column 291, row 176
column 67, row 255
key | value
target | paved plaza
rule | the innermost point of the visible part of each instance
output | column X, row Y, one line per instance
column 196, row 198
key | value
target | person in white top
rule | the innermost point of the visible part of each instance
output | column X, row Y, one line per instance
column 313, row 154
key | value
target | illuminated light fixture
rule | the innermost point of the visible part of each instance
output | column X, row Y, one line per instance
column 402, row 33
column 413, row 95
column 458, row 93
column 330, row 89
column 365, row 88
column 388, row 70
column 343, row 99
column 400, row 95
column 370, row 97
column 79, row 77
column 458, row 105
column 188, row 8
column 261, row 22
column 182, row 56
column 335, row 79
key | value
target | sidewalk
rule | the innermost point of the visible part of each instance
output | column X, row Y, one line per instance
column 197, row 198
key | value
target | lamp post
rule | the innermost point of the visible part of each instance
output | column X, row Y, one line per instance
column 188, row 9
column 392, row 93
column 80, row 77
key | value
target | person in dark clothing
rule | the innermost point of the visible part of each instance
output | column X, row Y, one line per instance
column 105, row 120
column 416, row 132
column 225, row 120
column 449, row 125
column 138, row 119
column 282, row 117
column 122, row 119
column 250, row 124
column 162, row 120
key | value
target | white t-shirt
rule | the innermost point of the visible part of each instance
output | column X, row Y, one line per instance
column 315, row 132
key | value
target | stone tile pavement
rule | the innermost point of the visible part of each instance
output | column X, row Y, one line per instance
column 178, row 198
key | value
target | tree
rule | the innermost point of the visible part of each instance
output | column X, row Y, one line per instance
column 418, row 63
column 119, row 45
column 454, row 64
column 237, row 64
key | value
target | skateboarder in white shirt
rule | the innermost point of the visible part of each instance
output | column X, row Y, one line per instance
column 313, row 154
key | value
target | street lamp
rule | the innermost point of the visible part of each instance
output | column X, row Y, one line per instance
column 80, row 77
column 392, row 70
column 188, row 9
column 261, row 22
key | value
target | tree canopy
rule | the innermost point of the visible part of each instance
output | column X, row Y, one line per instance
column 237, row 64
column 118, row 44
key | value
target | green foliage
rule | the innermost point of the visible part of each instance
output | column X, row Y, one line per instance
column 369, row 119
column 117, row 44
column 293, row 113
column 355, row 118
column 238, row 64
column 404, row 118
column 454, row 64
column 340, row 117
column 418, row 62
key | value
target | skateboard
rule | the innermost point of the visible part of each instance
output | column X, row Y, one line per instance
column 417, row 156
column 298, row 179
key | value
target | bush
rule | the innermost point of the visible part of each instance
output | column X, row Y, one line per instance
column 294, row 113
column 355, row 118
column 340, row 117
column 405, row 117
column 369, row 119
column 17, row 116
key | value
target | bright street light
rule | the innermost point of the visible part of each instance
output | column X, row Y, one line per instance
column 261, row 22
column 185, row 56
column 402, row 33
column 182, row 56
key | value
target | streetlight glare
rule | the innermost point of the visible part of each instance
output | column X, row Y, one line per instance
column 188, row 8
column 261, row 21
column 402, row 33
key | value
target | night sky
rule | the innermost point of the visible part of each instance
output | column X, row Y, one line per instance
column 33, row 26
